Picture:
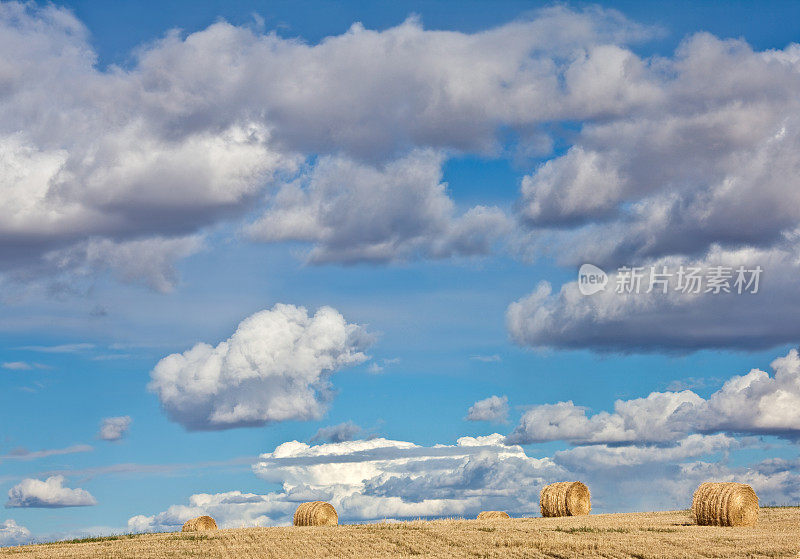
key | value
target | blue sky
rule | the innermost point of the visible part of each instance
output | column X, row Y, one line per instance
column 170, row 171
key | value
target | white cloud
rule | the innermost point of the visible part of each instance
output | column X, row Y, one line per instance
column 342, row 432
column 12, row 533
column 583, row 458
column 114, row 428
column 368, row 480
column 232, row 509
column 493, row 408
column 381, row 478
column 374, row 94
column 375, row 479
column 63, row 348
column 50, row 493
column 376, row 368
column 755, row 403
column 648, row 454
column 494, row 358
column 17, row 366
column 25, row 454
column 147, row 261
column 275, row 367
column 713, row 146
column 684, row 177
column 356, row 212
column 200, row 127
column 675, row 321
column 103, row 165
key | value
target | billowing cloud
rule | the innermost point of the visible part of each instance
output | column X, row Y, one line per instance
column 673, row 321
column 375, row 479
column 50, row 493
column 12, row 533
column 608, row 456
column 656, row 477
column 146, row 261
column 114, row 428
column 340, row 433
column 715, row 147
column 101, row 165
column 275, row 367
column 493, row 408
column 648, row 454
column 755, row 403
column 368, row 480
column 684, row 178
column 356, row 212
column 232, row 509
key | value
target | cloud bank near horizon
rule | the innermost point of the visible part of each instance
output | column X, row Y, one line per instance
column 648, row 454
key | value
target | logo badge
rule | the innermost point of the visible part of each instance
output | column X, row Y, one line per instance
column 591, row 279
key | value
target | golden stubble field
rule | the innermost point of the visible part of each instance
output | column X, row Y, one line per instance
column 658, row 534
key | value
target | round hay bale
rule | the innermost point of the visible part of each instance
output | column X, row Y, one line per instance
column 493, row 515
column 565, row 498
column 725, row 504
column 199, row 524
column 316, row 513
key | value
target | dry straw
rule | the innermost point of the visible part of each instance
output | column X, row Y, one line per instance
column 565, row 498
column 316, row 513
column 199, row 524
column 725, row 504
column 493, row 515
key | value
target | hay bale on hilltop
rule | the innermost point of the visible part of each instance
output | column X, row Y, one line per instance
column 316, row 513
column 565, row 498
column 493, row 515
column 199, row 524
column 725, row 504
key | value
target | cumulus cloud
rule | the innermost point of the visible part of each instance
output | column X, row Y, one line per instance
column 713, row 148
column 340, row 433
column 375, row 94
column 232, row 509
column 648, row 454
column 275, row 367
column 375, row 479
column 755, row 403
column 639, row 478
column 147, row 261
column 344, row 150
column 493, row 408
column 50, row 493
column 671, row 321
column 395, row 479
column 356, row 212
column 684, row 177
column 88, row 166
column 599, row 456
column 368, row 480
column 114, row 428
column 12, row 533
column 200, row 127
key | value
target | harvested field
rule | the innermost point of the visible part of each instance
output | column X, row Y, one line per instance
column 643, row 535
